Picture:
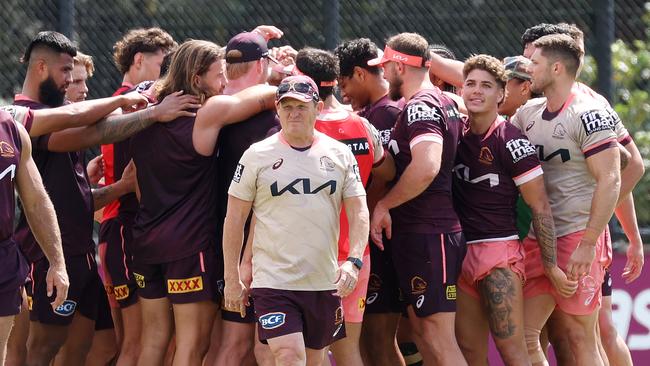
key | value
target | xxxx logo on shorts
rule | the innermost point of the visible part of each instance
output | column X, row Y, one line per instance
column 418, row 285
column 30, row 303
column 109, row 290
column 139, row 279
column 182, row 286
column 451, row 292
column 121, row 292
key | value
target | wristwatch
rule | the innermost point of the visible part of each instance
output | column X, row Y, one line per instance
column 356, row 261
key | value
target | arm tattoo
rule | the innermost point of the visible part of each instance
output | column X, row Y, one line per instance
column 499, row 294
column 104, row 195
column 545, row 232
column 118, row 128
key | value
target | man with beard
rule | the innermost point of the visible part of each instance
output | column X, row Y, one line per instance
column 367, row 91
column 614, row 346
column 57, row 155
column 581, row 162
column 428, row 246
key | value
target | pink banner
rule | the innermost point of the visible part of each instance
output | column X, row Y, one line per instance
column 630, row 312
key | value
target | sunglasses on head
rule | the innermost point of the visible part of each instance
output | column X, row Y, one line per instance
column 300, row 87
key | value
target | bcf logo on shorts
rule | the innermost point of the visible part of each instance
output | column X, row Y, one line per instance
column 272, row 320
column 66, row 309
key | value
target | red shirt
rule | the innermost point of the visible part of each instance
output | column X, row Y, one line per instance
column 349, row 129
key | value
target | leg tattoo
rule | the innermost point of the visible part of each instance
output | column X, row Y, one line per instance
column 497, row 294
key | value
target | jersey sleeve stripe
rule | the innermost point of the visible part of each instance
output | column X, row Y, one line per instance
column 432, row 137
column 528, row 176
column 625, row 140
column 599, row 146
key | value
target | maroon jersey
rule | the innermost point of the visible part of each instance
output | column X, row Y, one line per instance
column 233, row 141
column 428, row 116
column 116, row 157
column 65, row 180
column 10, row 146
column 177, row 204
column 383, row 114
column 488, row 170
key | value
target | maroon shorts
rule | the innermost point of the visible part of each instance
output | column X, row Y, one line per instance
column 188, row 280
column 231, row 316
column 13, row 272
column 383, row 294
column 104, row 317
column 318, row 315
column 83, row 293
column 117, row 260
column 428, row 266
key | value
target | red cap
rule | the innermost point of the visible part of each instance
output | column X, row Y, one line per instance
column 289, row 89
column 396, row 56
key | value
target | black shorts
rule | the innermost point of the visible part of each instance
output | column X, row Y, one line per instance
column 104, row 317
column 318, row 315
column 13, row 272
column 117, row 260
column 383, row 294
column 428, row 266
column 188, row 280
column 83, row 293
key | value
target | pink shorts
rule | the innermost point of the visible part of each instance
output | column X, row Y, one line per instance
column 588, row 295
column 482, row 258
column 355, row 303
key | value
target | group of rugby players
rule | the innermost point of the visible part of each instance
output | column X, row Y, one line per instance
column 235, row 226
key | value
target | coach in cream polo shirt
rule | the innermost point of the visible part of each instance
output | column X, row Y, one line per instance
column 296, row 181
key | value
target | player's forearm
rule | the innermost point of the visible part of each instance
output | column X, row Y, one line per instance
column 359, row 230
column 44, row 225
column 120, row 127
column 107, row 194
column 626, row 215
column 233, row 236
column 544, row 227
column 72, row 115
column 448, row 70
column 410, row 185
column 603, row 204
column 630, row 176
column 247, row 103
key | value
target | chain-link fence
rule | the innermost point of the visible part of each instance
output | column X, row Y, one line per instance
column 466, row 26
